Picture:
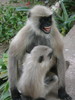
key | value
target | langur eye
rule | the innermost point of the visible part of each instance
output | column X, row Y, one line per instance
column 41, row 58
column 50, row 55
column 50, row 18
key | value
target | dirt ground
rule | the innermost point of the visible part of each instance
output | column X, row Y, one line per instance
column 4, row 1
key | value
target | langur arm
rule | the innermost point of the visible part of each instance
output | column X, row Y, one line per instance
column 53, row 79
column 61, row 69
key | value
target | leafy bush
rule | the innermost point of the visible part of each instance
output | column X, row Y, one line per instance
column 65, row 19
column 70, row 6
column 10, row 21
column 4, row 88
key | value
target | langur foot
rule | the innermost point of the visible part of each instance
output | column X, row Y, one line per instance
column 26, row 97
column 40, row 98
column 63, row 95
column 15, row 94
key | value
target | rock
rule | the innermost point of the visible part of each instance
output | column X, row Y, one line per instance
column 69, row 53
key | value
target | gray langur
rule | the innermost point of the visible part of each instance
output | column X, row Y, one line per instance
column 36, row 64
column 40, row 29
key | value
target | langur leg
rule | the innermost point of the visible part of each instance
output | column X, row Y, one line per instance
column 61, row 69
column 13, row 74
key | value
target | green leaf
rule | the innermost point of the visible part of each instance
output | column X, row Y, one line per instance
column 3, row 74
column 5, row 95
column 65, row 14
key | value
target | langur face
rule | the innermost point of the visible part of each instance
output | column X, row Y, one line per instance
column 45, row 24
column 41, row 18
column 42, row 54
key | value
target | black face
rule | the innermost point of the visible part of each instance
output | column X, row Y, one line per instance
column 41, row 58
column 45, row 24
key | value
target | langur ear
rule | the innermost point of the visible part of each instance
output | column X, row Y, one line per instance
column 29, row 14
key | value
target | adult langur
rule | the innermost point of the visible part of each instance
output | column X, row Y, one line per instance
column 40, row 29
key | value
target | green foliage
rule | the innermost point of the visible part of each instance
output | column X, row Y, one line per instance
column 11, row 21
column 14, row 1
column 70, row 6
column 64, row 20
column 3, row 66
column 4, row 88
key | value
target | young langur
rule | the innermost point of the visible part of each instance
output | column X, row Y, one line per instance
column 36, row 64
column 40, row 29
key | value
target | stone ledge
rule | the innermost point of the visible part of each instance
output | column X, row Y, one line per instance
column 69, row 53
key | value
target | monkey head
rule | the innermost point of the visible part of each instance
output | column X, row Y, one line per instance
column 41, row 19
column 42, row 56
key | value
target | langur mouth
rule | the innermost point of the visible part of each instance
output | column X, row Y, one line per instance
column 47, row 29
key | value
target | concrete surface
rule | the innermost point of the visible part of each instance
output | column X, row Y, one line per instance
column 69, row 53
